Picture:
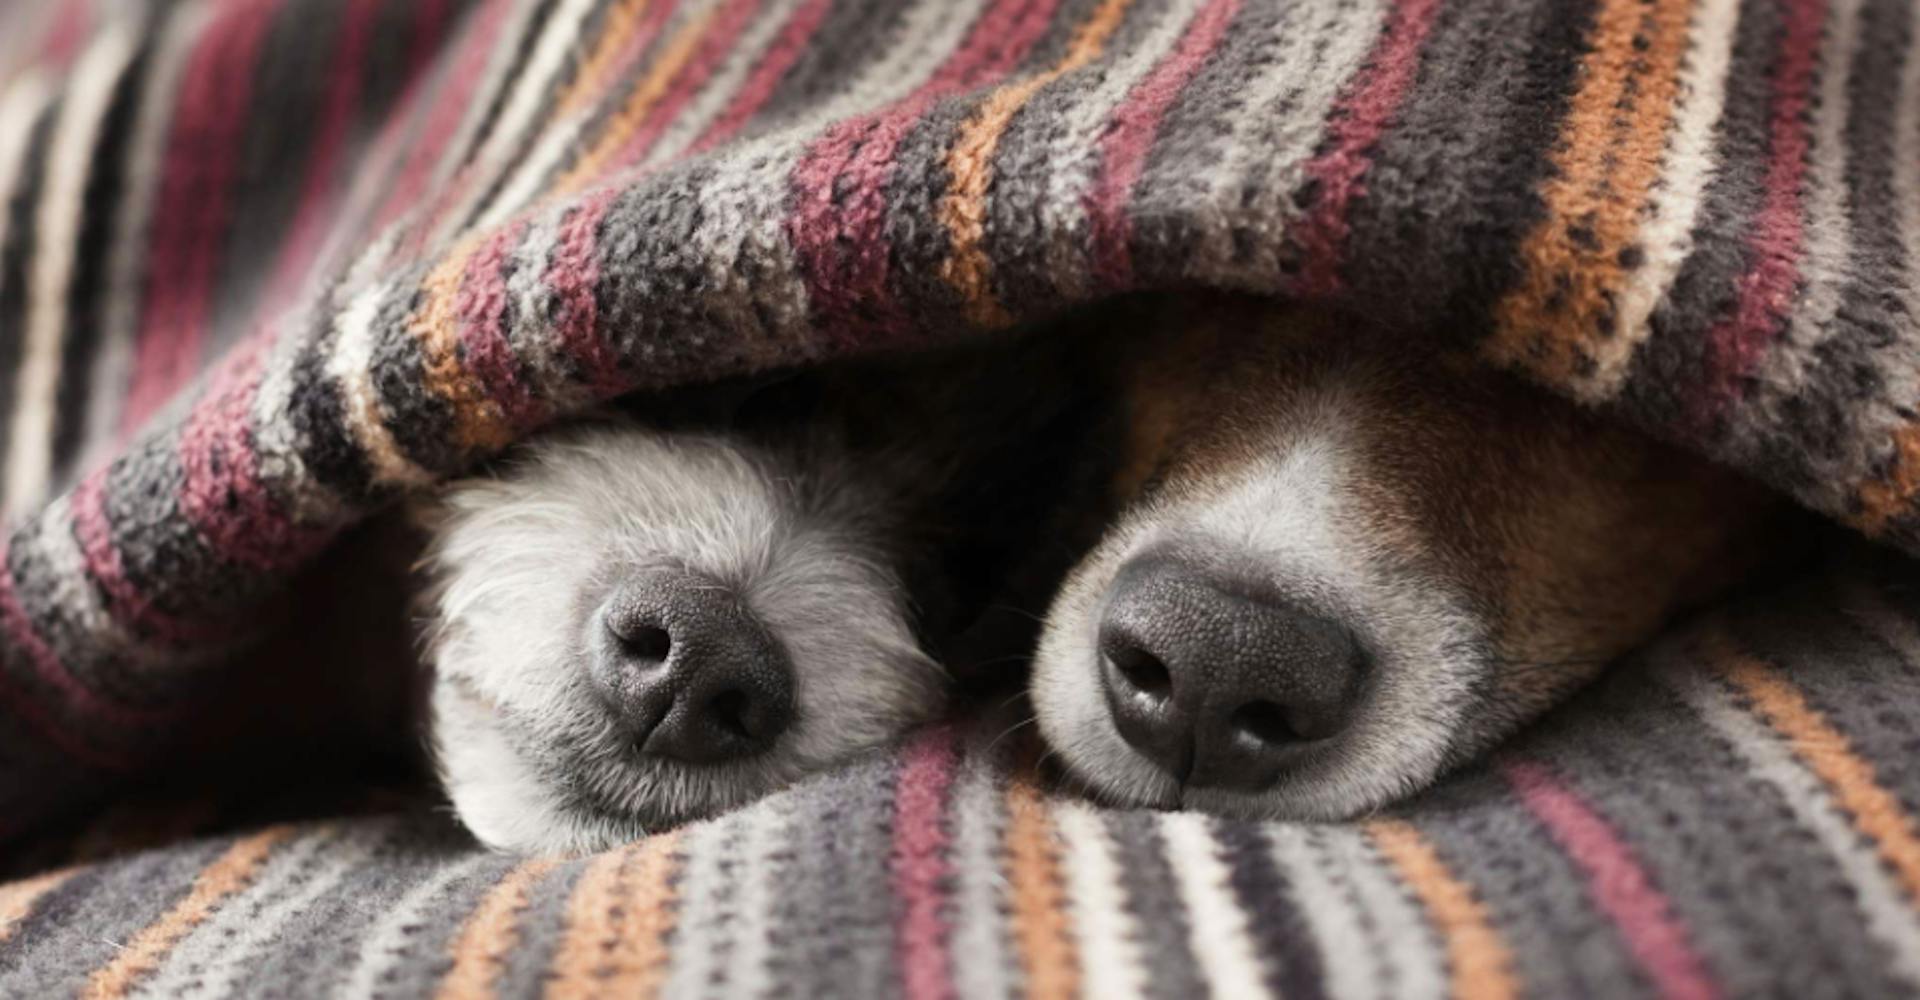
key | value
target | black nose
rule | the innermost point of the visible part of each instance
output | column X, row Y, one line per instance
column 1218, row 685
column 688, row 671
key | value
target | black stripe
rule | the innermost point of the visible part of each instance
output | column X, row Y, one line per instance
column 1282, row 937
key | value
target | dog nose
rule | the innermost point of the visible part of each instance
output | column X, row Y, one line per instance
column 1220, row 687
column 688, row 671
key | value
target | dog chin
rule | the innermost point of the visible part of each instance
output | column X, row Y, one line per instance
column 1414, row 720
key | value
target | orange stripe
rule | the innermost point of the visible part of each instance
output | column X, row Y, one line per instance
column 231, row 872
column 1559, row 321
column 480, row 949
column 1039, row 902
column 17, row 898
column 652, row 88
column 1827, row 752
column 1884, row 498
column 614, row 32
column 478, row 422
column 1480, row 963
column 617, row 924
column 963, row 209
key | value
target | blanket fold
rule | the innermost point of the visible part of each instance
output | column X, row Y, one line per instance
column 265, row 264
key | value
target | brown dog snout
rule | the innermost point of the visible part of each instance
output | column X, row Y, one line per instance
column 1218, row 682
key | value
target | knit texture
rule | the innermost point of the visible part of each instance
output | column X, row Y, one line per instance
column 267, row 264
column 1730, row 814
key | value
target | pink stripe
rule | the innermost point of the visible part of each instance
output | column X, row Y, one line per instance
column 47, row 664
column 190, row 220
column 717, row 41
column 310, row 218
column 124, row 600
column 573, row 274
column 66, row 34
column 767, row 74
column 480, row 310
column 921, row 873
column 221, row 494
column 1123, row 151
column 1359, row 118
column 838, row 227
column 1617, row 883
column 449, row 104
column 1765, row 293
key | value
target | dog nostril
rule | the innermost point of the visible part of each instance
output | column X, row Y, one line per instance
column 1264, row 721
column 648, row 643
column 1142, row 670
column 728, row 710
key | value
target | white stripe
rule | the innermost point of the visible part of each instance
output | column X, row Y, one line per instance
column 762, row 856
column 75, row 595
column 1351, row 954
column 390, row 942
column 55, row 248
column 1889, row 915
column 712, row 852
column 21, row 108
column 276, row 439
column 980, row 903
column 493, row 78
column 1690, row 159
column 558, row 39
column 127, row 253
column 1413, row 966
column 1217, row 924
column 207, row 944
column 718, row 93
column 1098, row 904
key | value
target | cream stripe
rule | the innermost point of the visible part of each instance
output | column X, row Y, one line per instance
column 211, row 961
column 1889, row 915
column 390, row 942
column 707, row 881
column 1218, row 924
column 527, row 107
column 1276, row 170
column 1413, row 962
column 89, row 93
column 1667, row 236
column 1097, row 902
column 127, row 253
column 1074, row 147
column 980, row 903
column 17, row 899
column 21, row 109
column 351, row 364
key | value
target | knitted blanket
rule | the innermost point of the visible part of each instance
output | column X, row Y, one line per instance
column 267, row 264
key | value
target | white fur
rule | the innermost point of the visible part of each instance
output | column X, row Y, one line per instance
column 1290, row 518
column 520, row 560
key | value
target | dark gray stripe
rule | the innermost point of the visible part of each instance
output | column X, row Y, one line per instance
column 1154, row 902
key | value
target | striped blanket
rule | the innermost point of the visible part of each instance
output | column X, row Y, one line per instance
column 267, row 264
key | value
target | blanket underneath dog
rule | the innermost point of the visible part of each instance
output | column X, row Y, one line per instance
column 266, row 264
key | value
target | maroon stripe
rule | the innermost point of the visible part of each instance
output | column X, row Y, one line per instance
column 221, row 493
column 767, row 74
column 1359, row 118
column 480, row 312
column 191, row 216
column 449, row 105
column 838, row 225
column 104, row 565
column 1765, row 293
column 311, row 216
column 47, row 664
column 573, row 273
column 718, row 40
column 1123, row 151
column 921, row 871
